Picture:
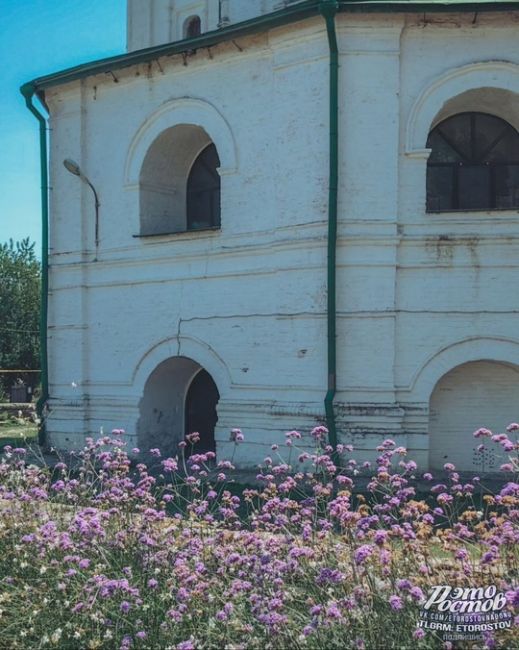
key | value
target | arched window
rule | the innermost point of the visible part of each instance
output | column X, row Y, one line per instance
column 474, row 164
column 203, row 191
column 192, row 27
column 179, row 183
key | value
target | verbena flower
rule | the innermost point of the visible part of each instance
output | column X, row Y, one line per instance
column 482, row 433
column 395, row 602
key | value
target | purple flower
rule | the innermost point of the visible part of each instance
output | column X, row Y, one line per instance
column 126, row 642
column 510, row 489
column 380, row 537
column 395, row 602
column 125, row 607
column 488, row 557
column 514, row 426
column 462, row 554
column 237, row 435
column 155, row 452
column 319, row 432
column 186, row 645
column 444, row 498
column 512, row 597
column 170, row 465
column 362, row 553
column 182, row 594
column 330, row 576
column 439, row 487
column 228, row 608
column 332, row 611
column 482, row 433
column 417, row 594
column 490, row 642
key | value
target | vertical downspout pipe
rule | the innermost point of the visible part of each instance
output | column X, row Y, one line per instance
column 328, row 9
column 27, row 91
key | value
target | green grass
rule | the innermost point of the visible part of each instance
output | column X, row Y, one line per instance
column 15, row 433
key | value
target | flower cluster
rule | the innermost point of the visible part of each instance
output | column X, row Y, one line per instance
column 106, row 552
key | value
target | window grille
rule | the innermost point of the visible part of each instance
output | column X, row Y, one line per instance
column 474, row 164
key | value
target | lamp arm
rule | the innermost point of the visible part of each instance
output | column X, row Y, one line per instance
column 97, row 204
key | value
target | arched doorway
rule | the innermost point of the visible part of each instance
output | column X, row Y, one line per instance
column 473, row 395
column 200, row 410
column 179, row 396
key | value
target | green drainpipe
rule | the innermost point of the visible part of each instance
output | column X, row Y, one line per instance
column 27, row 91
column 328, row 9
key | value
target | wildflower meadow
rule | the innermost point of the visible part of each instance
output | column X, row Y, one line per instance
column 104, row 551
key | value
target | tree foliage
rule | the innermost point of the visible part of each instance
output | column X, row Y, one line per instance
column 20, row 280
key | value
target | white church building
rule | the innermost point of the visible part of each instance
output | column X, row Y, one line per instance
column 306, row 212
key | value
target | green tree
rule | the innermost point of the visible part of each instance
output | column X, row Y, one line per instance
column 20, row 281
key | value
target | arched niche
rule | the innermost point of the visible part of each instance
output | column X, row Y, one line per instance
column 184, row 111
column 470, row 396
column 179, row 396
column 457, row 353
column 490, row 86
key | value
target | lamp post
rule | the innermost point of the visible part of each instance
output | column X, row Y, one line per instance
column 72, row 167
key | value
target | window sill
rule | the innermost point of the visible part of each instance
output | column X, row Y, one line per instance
column 176, row 233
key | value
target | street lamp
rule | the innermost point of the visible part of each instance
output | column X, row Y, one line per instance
column 72, row 167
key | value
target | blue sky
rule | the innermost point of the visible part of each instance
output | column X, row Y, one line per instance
column 38, row 37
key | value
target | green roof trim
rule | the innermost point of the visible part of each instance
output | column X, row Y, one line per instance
column 285, row 16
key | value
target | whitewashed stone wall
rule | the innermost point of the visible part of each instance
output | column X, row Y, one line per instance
column 418, row 294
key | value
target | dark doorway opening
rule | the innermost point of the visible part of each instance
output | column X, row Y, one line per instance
column 200, row 415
